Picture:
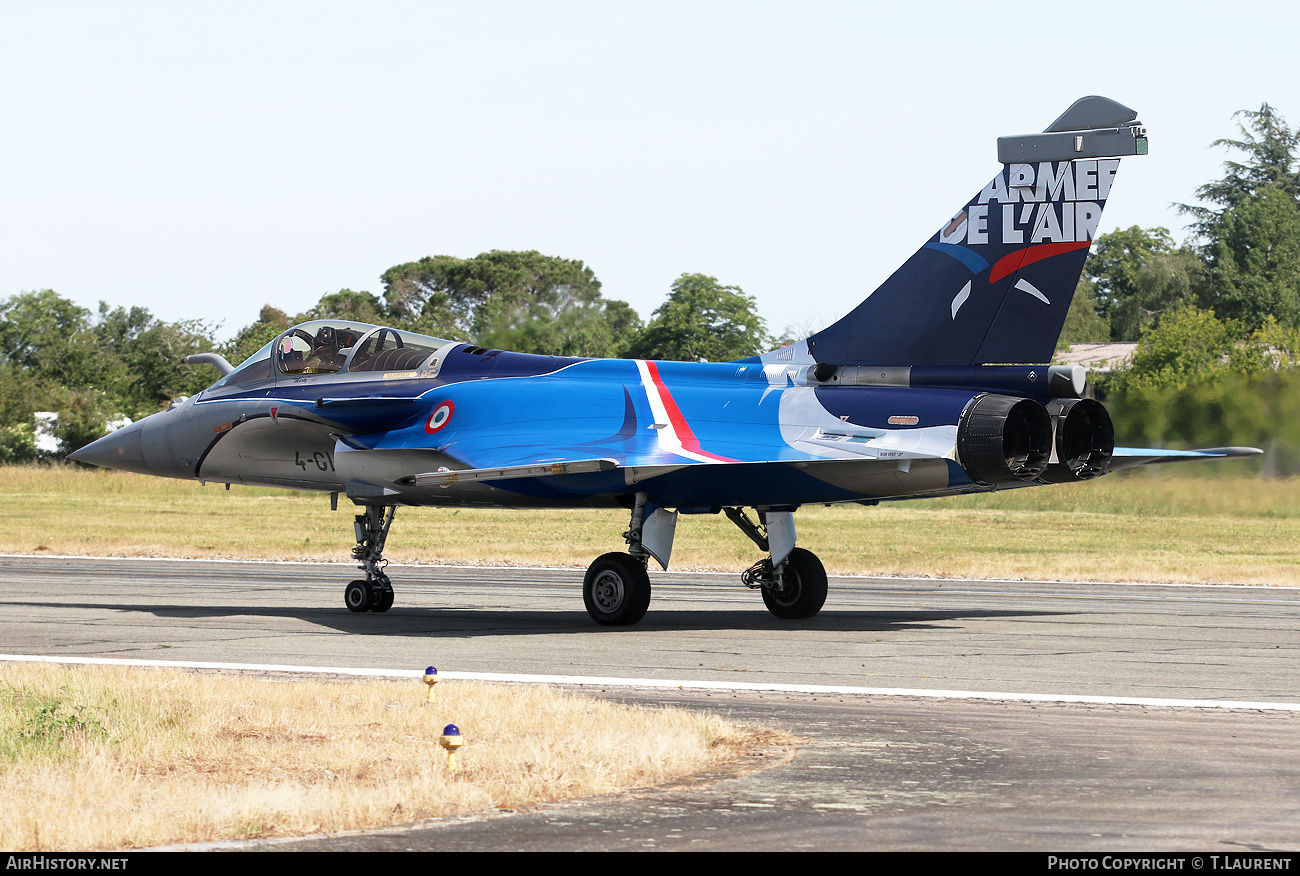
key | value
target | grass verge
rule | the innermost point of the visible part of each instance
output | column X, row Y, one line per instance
column 1226, row 530
column 114, row 758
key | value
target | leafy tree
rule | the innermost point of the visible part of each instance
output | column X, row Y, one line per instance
column 83, row 417
column 1247, row 266
column 1251, row 233
column 519, row 300
column 1136, row 274
column 1270, row 148
column 1254, row 258
column 21, row 395
column 144, row 356
column 588, row 330
column 702, row 319
column 1204, row 382
column 17, row 444
column 624, row 324
column 51, row 338
column 251, row 338
column 468, row 298
column 1187, row 344
column 1083, row 325
column 51, row 359
column 349, row 305
column 1272, row 347
column 1193, row 346
column 798, row 331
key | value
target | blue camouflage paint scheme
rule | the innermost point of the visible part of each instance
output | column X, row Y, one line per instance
column 499, row 422
column 733, row 410
column 991, row 287
column 938, row 383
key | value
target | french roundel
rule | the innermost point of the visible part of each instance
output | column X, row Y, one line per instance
column 440, row 417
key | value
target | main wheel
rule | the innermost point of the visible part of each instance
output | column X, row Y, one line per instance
column 384, row 598
column 804, row 593
column 357, row 597
column 616, row 590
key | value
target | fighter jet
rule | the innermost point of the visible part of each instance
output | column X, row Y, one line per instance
column 938, row 383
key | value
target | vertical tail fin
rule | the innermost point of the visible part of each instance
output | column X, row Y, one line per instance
column 994, row 284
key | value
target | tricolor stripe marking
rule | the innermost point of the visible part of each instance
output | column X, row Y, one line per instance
column 676, row 435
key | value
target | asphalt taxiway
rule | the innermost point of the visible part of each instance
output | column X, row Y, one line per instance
column 1057, row 716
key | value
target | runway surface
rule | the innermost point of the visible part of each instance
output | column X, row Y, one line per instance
column 875, row 771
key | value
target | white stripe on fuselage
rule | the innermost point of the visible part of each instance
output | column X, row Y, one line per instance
column 665, row 431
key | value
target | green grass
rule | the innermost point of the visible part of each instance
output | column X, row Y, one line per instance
column 52, row 722
column 1229, row 529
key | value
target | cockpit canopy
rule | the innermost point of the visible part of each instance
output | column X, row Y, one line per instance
column 328, row 346
column 316, row 348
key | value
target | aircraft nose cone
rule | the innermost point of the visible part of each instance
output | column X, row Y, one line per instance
column 122, row 450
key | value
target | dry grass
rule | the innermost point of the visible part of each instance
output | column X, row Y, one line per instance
column 111, row 758
column 1170, row 528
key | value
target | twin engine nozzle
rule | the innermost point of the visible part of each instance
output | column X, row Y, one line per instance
column 1003, row 439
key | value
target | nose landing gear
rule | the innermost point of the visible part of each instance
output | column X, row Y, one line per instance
column 375, row 593
column 616, row 588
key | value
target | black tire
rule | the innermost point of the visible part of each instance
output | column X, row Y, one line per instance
column 616, row 590
column 384, row 600
column 805, row 588
column 357, row 597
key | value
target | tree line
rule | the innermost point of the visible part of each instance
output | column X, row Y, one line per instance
column 1241, row 260
column 95, row 369
column 1217, row 317
column 1221, row 309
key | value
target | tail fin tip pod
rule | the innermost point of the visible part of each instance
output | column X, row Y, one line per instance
column 994, row 283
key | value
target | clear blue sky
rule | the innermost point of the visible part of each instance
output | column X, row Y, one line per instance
column 203, row 159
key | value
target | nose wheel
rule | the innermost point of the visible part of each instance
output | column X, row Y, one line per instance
column 362, row 596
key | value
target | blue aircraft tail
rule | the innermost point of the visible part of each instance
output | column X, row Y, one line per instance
column 994, row 283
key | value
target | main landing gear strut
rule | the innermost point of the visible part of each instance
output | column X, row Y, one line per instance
column 794, row 586
column 375, row 593
column 616, row 588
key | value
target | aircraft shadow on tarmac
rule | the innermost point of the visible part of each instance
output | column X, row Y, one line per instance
column 436, row 622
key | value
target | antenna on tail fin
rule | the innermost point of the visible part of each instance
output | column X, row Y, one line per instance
column 994, row 283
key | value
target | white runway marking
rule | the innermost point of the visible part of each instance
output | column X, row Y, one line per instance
column 584, row 680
